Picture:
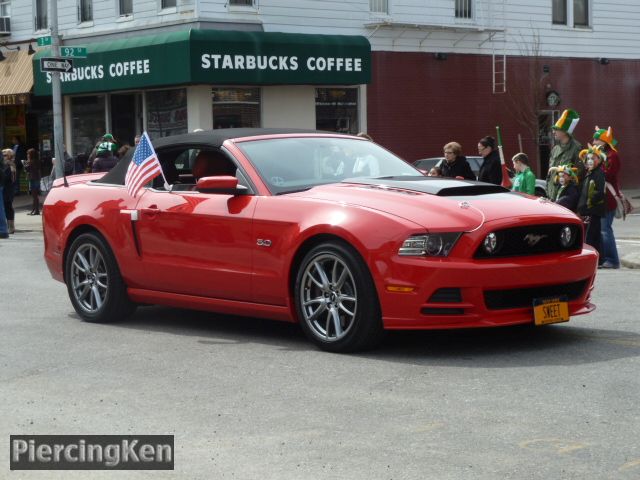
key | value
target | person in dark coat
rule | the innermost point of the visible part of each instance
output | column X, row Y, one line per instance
column 19, row 157
column 455, row 164
column 10, row 170
column 4, row 230
column 592, row 205
column 491, row 169
column 33, row 167
column 568, row 192
column 604, row 139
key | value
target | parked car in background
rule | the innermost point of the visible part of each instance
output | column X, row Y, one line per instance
column 475, row 162
column 329, row 231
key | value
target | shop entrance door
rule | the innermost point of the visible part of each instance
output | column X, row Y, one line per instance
column 126, row 116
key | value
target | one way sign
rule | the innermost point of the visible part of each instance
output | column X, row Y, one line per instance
column 55, row 64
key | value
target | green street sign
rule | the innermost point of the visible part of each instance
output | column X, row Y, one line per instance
column 44, row 41
column 73, row 52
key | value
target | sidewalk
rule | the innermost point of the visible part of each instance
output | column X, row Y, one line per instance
column 631, row 259
column 24, row 222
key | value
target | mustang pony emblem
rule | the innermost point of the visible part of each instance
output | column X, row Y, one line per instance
column 533, row 239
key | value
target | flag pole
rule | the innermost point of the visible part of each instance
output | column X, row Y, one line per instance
column 506, row 181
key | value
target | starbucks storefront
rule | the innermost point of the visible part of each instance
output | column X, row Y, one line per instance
column 177, row 82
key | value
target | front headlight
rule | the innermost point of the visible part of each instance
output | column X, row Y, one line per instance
column 431, row 245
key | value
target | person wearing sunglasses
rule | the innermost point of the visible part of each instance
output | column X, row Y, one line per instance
column 491, row 169
column 455, row 164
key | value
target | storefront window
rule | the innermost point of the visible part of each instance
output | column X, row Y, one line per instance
column 87, row 122
column 236, row 107
column 337, row 109
column 166, row 112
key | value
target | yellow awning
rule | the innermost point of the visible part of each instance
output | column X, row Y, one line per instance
column 16, row 78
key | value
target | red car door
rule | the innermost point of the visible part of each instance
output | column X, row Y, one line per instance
column 196, row 243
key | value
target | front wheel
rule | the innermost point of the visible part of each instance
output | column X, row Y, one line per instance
column 94, row 283
column 336, row 299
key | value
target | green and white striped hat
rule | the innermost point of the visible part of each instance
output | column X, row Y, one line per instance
column 567, row 121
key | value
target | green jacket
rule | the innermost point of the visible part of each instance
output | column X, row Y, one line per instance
column 525, row 182
column 564, row 155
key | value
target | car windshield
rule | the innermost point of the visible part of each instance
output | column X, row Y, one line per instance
column 294, row 164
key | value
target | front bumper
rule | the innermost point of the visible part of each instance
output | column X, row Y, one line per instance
column 483, row 288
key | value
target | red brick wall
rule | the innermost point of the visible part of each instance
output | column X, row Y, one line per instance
column 417, row 103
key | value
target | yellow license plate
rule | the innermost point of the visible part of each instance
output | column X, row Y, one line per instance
column 550, row 310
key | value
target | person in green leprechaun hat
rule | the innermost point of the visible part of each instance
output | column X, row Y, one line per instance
column 566, row 151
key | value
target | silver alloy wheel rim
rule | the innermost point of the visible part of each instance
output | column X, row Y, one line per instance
column 89, row 278
column 328, row 297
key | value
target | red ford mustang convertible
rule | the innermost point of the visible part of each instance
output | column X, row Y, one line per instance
column 331, row 231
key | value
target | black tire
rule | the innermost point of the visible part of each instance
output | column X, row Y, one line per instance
column 336, row 299
column 94, row 283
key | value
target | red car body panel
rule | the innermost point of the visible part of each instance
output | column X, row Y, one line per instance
column 196, row 250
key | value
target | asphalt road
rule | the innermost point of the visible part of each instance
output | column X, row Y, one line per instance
column 252, row 399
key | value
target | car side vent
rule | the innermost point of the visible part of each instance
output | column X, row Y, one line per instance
column 446, row 295
column 442, row 311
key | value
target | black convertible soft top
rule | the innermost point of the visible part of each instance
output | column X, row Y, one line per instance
column 207, row 138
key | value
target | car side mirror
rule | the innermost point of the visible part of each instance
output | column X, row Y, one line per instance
column 220, row 184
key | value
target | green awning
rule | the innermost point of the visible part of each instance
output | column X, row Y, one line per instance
column 216, row 57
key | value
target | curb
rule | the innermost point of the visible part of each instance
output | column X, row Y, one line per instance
column 631, row 260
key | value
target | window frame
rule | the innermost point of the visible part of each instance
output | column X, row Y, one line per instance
column 82, row 10
column 464, row 6
column 120, row 9
column 168, row 7
column 5, row 8
column 380, row 11
column 40, row 18
column 570, row 14
column 587, row 8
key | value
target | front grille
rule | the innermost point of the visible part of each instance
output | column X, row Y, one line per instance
column 531, row 240
column 446, row 295
column 523, row 297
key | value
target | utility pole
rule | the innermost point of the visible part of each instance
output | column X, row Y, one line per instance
column 56, row 92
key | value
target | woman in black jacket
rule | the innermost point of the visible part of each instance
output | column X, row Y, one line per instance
column 455, row 164
column 490, row 170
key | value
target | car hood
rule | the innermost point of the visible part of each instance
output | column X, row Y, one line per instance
column 436, row 204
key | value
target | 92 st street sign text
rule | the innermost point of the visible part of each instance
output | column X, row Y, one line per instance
column 73, row 52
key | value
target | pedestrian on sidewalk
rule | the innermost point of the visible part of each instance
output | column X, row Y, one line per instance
column 568, row 193
column 604, row 139
column 10, row 173
column 491, row 169
column 19, row 156
column 103, row 158
column 591, row 205
column 4, row 231
column 455, row 164
column 32, row 167
column 525, row 180
column 566, row 151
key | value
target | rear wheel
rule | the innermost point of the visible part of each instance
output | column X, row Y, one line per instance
column 94, row 283
column 336, row 299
